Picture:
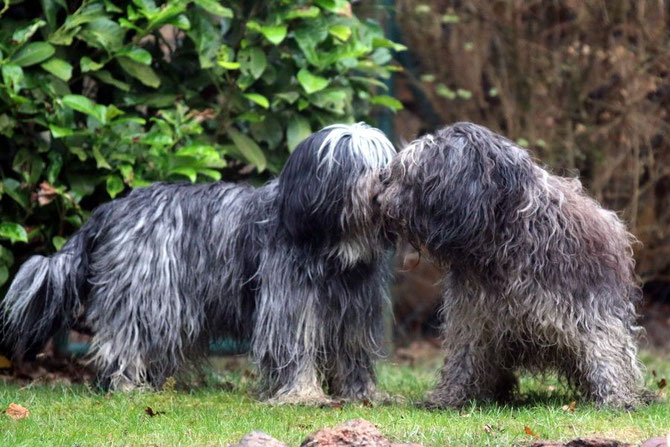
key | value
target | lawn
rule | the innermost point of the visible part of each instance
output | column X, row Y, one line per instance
column 223, row 411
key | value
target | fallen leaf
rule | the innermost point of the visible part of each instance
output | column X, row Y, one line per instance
column 662, row 383
column 333, row 404
column 530, row 432
column 16, row 411
column 570, row 408
column 153, row 413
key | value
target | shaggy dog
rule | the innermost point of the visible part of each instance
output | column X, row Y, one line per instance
column 539, row 276
column 297, row 266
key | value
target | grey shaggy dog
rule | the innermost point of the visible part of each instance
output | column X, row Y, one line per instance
column 540, row 277
column 298, row 267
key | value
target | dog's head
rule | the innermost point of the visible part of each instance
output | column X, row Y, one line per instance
column 447, row 190
column 325, row 194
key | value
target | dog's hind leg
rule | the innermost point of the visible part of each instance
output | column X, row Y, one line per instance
column 607, row 369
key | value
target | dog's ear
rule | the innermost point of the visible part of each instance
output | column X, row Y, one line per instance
column 310, row 200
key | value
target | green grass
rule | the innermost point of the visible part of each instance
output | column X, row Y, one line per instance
column 216, row 415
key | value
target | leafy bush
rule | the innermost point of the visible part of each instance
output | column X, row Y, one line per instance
column 99, row 96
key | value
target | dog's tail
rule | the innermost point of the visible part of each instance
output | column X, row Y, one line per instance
column 44, row 298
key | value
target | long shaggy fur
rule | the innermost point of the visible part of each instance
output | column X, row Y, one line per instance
column 297, row 266
column 540, row 277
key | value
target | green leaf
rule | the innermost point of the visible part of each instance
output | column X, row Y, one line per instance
column 157, row 138
column 251, row 117
column 289, row 97
column 369, row 81
column 32, row 54
column 50, row 8
column 252, row 61
column 106, row 77
column 58, row 242
column 341, row 32
column 137, row 54
column 143, row 73
column 6, row 256
column 58, row 67
column 450, row 18
column 274, row 34
column 111, row 7
column 54, row 167
column 13, row 231
column 84, row 105
column 387, row 101
column 334, row 100
column 310, row 82
column 211, row 173
column 382, row 42
column 22, row 35
column 445, row 92
column 229, row 65
column 197, row 151
column 465, row 94
column 87, row 64
column 297, row 130
column 13, row 189
column 103, row 33
column 269, row 131
column 214, row 7
column 114, row 185
column 308, row 38
column 12, row 76
column 329, row 5
column 305, row 12
column 258, row 99
column 249, row 149
column 181, row 22
column 187, row 171
column 4, row 274
column 207, row 41
column 60, row 132
column 100, row 160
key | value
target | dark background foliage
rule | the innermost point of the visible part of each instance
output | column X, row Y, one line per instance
column 97, row 97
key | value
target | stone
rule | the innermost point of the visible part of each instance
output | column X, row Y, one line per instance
column 258, row 439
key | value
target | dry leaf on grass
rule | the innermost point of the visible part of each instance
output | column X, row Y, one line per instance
column 333, row 404
column 152, row 413
column 16, row 411
column 530, row 432
column 570, row 408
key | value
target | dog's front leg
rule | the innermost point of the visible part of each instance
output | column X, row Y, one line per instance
column 286, row 340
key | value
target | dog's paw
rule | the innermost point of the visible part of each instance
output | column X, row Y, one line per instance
column 304, row 397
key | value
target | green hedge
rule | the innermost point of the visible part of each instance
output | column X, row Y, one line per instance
column 100, row 96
